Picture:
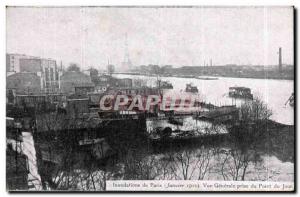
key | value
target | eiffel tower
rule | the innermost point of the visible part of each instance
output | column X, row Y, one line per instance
column 126, row 64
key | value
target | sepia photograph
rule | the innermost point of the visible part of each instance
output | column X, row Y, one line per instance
column 150, row 98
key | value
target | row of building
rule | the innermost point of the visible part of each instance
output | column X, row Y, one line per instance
column 32, row 74
column 32, row 77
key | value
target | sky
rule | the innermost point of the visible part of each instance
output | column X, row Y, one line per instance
column 189, row 36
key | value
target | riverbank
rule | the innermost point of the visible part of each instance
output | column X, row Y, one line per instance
column 215, row 77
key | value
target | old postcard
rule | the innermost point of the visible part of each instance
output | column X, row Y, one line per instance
column 161, row 98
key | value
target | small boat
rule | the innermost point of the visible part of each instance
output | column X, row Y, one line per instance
column 240, row 92
column 191, row 88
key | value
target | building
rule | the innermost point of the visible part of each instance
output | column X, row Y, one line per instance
column 37, row 102
column 126, row 82
column 132, row 91
column 13, row 62
column 71, row 79
column 103, row 83
column 83, row 89
column 32, row 65
column 56, row 98
column 46, row 69
column 23, row 83
column 77, row 105
column 138, row 83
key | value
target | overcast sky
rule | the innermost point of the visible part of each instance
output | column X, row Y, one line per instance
column 90, row 36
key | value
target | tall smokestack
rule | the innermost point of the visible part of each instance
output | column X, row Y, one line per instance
column 210, row 62
column 280, row 60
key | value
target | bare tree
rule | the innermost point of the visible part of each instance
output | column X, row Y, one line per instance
column 141, row 167
column 165, row 164
column 255, row 110
column 244, row 140
column 204, row 157
column 192, row 164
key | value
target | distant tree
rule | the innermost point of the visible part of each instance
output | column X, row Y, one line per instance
column 73, row 67
column 155, row 69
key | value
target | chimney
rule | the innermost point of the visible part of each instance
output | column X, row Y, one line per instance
column 280, row 60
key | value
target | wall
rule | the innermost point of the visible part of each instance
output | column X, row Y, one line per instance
column 71, row 79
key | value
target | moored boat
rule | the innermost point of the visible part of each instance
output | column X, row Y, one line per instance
column 240, row 92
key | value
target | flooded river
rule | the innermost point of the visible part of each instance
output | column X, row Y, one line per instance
column 274, row 93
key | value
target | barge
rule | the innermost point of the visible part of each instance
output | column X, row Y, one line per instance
column 240, row 92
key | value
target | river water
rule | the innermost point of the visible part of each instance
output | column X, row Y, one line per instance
column 274, row 93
